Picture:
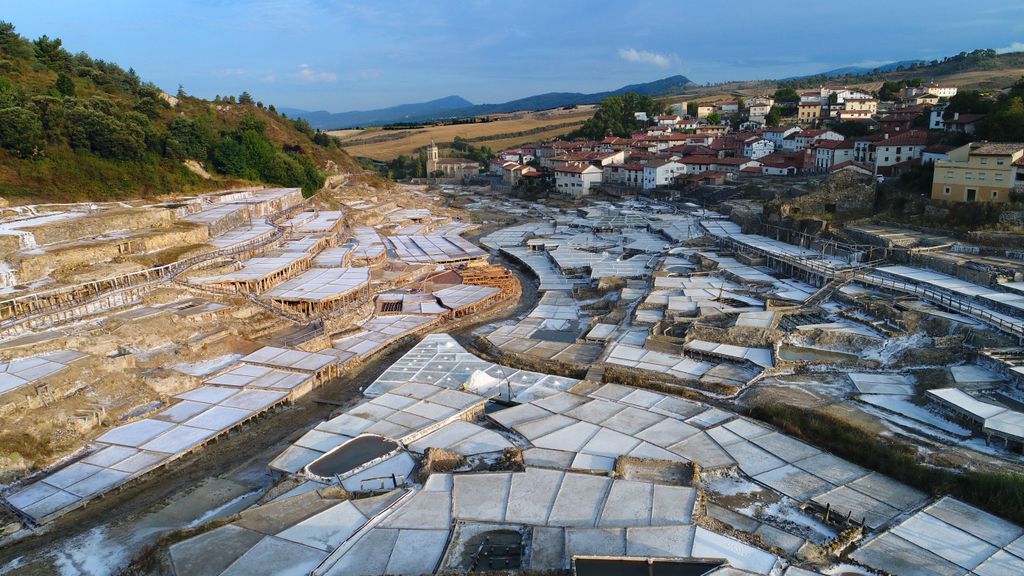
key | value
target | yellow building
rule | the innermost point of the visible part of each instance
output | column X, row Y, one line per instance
column 869, row 105
column 808, row 111
column 980, row 172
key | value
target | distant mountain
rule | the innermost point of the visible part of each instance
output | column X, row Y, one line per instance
column 326, row 120
column 856, row 70
column 456, row 107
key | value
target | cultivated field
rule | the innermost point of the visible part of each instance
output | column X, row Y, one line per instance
column 389, row 144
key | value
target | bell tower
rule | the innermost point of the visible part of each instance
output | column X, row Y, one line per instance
column 431, row 158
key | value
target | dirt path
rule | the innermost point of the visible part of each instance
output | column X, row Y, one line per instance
column 219, row 479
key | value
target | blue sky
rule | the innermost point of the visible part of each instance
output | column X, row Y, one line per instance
column 345, row 55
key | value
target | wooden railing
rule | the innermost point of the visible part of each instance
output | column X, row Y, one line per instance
column 947, row 300
column 71, row 302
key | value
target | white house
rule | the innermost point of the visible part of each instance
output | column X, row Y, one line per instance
column 661, row 172
column 756, row 147
column 935, row 117
column 575, row 180
column 777, row 134
column 900, row 148
column 828, row 153
column 629, row 175
column 805, row 138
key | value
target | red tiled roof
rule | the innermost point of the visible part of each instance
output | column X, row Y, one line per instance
column 911, row 138
column 854, row 163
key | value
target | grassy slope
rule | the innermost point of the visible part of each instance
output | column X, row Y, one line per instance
column 61, row 174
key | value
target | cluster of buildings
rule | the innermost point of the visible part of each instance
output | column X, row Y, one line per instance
column 678, row 151
column 667, row 156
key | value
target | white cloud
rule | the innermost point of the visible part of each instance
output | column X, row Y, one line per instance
column 646, row 57
column 1013, row 47
column 308, row 75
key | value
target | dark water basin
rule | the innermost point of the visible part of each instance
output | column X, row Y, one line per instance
column 351, row 455
column 642, row 567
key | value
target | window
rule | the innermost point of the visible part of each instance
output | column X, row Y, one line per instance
column 946, row 191
column 981, row 176
column 984, row 160
column 999, row 177
column 968, row 176
column 995, row 193
column 1000, row 161
column 949, row 173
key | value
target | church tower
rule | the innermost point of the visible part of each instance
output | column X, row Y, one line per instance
column 431, row 158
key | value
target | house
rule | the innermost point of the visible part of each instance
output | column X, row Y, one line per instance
column 630, row 175
column 758, row 110
column 496, row 166
column 980, row 172
column 940, row 90
column 861, row 103
column 659, row 173
column 864, row 148
column 811, row 98
column 733, row 164
column 932, row 89
column 829, row 153
column 614, row 144
column 962, row 122
column 730, row 107
column 936, row 118
column 512, row 173
column 845, row 115
column 808, row 111
column 704, row 110
column 712, row 129
column 576, row 180
column 778, row 164
column 936, row 152
column 761, row 100
column 805, row 138
column 668, row 120
column 708, row 178
column 755, row 147
column 899, row 148
column 899, row 120
column 853, row 166
column 777, row 134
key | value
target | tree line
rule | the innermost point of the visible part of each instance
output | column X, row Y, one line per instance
column 51, row 98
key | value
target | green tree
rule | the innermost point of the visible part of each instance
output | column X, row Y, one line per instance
column 616, row 116
column 246, row 98
column 691, row 109
column 64, row 85
column 714, row 118
column 786, row 95
column 774, row 116
column 21, row 131
column 833, row 99
column 741, row 103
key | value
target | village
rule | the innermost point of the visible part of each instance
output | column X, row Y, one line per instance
column 733, row 142
column 600, row 373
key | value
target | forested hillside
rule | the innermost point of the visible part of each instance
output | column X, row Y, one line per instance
column 73, row 128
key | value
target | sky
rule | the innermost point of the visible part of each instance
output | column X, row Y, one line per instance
column 341, row 55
